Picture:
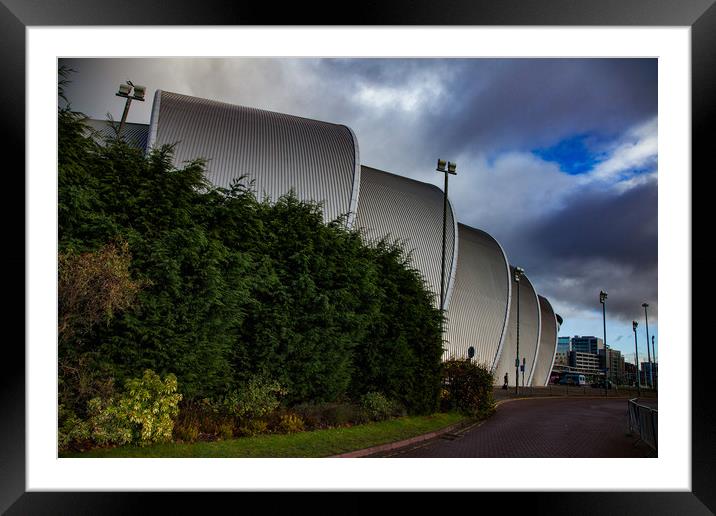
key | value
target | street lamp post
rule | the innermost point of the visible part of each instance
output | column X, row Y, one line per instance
column 125, row 91
column 519, row 271
column 634, row 324
column 646, row 318
column 603, row 301
column 451, row 167
column 653, row 353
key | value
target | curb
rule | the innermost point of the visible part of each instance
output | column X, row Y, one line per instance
column 464, row 425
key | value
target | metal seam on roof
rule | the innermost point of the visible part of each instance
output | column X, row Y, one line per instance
column 153, row 121
column 477, row 316
column 548, row 342
column 410, row 211
column 279, row 152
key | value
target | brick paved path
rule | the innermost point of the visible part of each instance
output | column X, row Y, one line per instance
column 541, row 428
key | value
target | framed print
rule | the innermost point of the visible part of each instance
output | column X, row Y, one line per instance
column 680, row 38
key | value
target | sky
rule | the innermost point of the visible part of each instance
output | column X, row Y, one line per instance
column 556, row 158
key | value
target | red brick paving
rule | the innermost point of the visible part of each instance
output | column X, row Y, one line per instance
column 541, row 428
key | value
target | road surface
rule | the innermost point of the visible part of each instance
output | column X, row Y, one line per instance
column 540, row 427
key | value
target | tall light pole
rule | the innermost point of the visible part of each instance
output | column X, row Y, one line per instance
column 451, row 167
column 603, row 301
column 653, row 353
column 646, row 318
column 519, row 271
column 634, row 324
column 125, row 91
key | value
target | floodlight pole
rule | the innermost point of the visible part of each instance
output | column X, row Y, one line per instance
column 125, row 92
column 603, row 301
column 124, row 115
column 634, row 324
column 446, row 168
column 653, row 354
column 648, row 353
column 517, row 274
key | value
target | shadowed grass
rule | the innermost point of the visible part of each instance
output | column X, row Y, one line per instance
column 319, row 443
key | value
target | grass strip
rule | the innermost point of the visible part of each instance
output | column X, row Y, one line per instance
column 318, row 443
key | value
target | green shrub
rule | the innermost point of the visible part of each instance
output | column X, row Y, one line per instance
column 256, row 399
column 143, row 414
column 71, row 428
column 291, row 423
column 109, row 424
column 203, row 420
column 397, row 409
column 329, row 415
column 187, row 432
column 377, row 406
column 253, row 427
column 226, row 431
column 467, row 388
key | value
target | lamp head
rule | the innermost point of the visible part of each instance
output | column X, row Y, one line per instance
column 441, row 165
column 602, row 296
column 124, row 90
column 634, row 324
column 645, row 305
column 139, row 92
column 452, row 167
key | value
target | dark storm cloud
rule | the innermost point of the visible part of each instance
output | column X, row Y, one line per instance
column 598, row 241
column 527, row 103
column 619, row 228
column 488, row 105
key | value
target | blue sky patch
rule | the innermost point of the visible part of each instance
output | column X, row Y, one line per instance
column 573, row 155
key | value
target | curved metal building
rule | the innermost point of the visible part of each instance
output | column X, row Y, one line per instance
column 529, row 333
column 134, row 134
column 547, row 344
column 481, row 299
column 412, row 212
column 318, row 160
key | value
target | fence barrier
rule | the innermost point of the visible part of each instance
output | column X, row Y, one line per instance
column 643, row 421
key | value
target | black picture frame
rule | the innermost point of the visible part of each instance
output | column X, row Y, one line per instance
column 16, row 15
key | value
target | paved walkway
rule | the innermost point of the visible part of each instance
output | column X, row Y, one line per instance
column 537, row 427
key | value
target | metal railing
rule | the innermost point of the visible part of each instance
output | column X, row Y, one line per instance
column 624, row 392
column 643, row 421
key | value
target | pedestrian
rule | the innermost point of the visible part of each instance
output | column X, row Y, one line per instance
column 504, row 385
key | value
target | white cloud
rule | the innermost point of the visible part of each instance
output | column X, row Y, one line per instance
column 506, row 193
column 408, row 99
column 636, row 149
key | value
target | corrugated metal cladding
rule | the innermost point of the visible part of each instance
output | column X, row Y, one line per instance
column 279, row 152
column 134, row 134
column 410, row 211
column 481, row 298
column 547, row 344
column 529, row 333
